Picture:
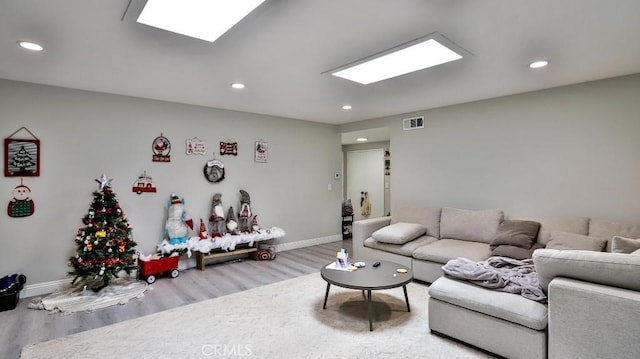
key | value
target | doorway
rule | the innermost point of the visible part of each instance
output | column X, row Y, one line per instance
column 365, row 174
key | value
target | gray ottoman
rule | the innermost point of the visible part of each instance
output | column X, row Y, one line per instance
column 502, row 323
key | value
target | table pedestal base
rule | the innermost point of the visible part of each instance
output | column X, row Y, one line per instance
column 367, row 297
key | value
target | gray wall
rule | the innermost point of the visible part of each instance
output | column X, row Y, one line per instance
column 572, row 150
column 84, row 134
column 566, row 151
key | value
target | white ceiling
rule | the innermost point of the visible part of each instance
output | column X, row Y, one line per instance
column 282, row 49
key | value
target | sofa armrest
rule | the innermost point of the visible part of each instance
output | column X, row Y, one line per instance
column 588, row 320
column 610, row 269
column 364, row 228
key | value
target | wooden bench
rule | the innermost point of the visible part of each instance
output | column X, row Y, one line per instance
column 202, row 257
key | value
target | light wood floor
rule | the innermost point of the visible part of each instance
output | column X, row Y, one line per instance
column 22, row 326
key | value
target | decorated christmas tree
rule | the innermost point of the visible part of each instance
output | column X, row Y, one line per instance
column 105, row 244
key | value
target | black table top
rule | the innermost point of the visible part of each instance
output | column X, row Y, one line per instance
column 384, row 276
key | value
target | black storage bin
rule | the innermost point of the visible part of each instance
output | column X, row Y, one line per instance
column 9, row 300
column 9, row 296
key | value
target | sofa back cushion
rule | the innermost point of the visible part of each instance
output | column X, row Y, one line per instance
column 514, row 232
column 613, row 269
column 399, row 233
column 624, row 245
column 607, row 229
column 577, row 225
column 469, row 225
column 567, row 240
column 429, row 217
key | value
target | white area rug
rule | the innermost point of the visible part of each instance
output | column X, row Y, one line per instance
column 281, row 320
column 78, row 299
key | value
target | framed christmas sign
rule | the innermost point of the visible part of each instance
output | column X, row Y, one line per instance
column 161, row 148
column 195, row 146
column 21, row 156
column 228, row 148
column 261, row 151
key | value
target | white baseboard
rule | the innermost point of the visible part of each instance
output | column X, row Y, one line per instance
column 32, row 290
column 307, row 243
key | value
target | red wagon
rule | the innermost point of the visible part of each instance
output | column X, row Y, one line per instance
column 148, row 270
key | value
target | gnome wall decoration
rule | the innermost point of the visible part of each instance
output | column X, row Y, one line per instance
column 21, row 205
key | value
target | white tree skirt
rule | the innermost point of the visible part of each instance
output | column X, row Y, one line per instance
column 78, row 298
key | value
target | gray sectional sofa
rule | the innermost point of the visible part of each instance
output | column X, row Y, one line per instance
column 593, row 308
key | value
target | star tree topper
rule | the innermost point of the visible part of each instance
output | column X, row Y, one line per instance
column 104, row 181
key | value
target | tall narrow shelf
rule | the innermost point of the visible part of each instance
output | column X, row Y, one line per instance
column 347, row 227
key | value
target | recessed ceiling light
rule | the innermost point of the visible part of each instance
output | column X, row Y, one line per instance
column 538, row 64
column 347, row 107
column 30, row 46
column 415, row 55
column 203, row 19
column 237, row 85
column 362, row 139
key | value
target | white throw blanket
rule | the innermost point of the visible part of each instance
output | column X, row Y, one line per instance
column 499, row 273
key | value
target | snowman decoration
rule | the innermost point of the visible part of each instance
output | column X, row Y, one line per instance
column 178, row 225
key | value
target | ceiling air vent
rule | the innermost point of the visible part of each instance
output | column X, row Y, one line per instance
column 413, row 123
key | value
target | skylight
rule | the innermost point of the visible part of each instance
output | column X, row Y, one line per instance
column 202, row 19
column 420, row 54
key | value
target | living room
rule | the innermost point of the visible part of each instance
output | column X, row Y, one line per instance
column 569, row 148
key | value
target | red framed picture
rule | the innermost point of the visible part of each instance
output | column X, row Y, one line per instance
column 228, row 148
column 21, row 157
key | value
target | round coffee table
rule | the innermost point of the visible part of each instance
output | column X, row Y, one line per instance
column 369, row 278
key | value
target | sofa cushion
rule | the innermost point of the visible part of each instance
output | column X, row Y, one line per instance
column 517, row 233
column 614, row 269
column 515, row 252
column 427, row 216
column 624, row 245
column 579, row 225
column 468, row 225
column 399, row 233
column 607, row 229
column 566, row 240
column 507, row 306
column 401, row 249
column 446, row 249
